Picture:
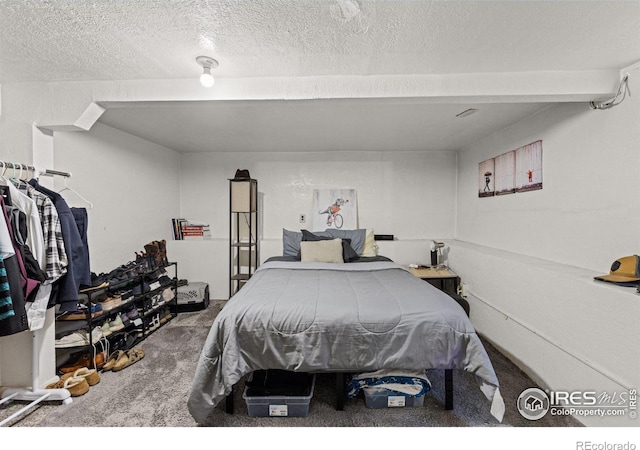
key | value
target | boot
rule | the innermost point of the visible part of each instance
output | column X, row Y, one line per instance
column 153, row 253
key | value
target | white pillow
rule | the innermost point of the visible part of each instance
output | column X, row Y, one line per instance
column 329, row 251
column 370, row 248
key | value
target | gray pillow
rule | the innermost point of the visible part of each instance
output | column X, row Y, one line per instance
column 357, row 237
column 291, row 242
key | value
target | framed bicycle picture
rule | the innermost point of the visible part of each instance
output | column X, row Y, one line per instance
column 335, row 208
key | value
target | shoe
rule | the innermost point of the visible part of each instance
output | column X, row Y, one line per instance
column 111, row 302
column 76, row 339
column 130, row 357
column 75, row 385
column 83, row 361
column 125, row 319
column 106, row 328
column 99, row 361
column 91, row 375
column 116, row 324
column 156, row 300
column 133, row 314
column 139, row 290
column 82, row 312
column 96, row 334
column 167, row 316
column 112, row 359
column 167, row 294
column 101, row 284
column 161, row 257
column 154, row 323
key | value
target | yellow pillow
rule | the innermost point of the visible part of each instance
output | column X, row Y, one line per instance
column 329, row 251
column 370, row 248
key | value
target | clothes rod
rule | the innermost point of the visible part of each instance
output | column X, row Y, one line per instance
column 56, row 172
column 10, row 165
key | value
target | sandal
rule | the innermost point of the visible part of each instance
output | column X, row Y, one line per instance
column 112, row 360
column 130, row 357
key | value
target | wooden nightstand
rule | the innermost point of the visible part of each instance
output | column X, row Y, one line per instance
column 444, row 279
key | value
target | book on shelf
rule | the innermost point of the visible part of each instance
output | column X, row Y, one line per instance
column 184, row 229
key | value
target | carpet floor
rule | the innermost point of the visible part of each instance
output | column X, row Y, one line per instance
column 153, row 393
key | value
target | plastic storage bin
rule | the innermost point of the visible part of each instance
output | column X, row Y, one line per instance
column 377, row 398
column 280, row 404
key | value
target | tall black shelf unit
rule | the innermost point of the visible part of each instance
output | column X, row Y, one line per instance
column 243, row 232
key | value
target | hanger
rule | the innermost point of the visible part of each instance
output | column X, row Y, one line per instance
column 16, row 180
column 4, row 186
column 67, row 188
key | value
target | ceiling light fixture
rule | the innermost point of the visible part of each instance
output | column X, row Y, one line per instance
column 207, row 63
column 467, row 112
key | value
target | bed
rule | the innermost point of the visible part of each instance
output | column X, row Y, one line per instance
column 330, row 317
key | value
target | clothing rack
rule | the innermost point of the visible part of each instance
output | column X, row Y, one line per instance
column 33, row 394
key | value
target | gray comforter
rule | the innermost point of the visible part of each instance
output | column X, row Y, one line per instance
column 322, row 317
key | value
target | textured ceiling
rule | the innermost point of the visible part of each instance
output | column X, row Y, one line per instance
column 72, row 40
column 58, row 40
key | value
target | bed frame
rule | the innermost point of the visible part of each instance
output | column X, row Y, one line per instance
column 341, row 392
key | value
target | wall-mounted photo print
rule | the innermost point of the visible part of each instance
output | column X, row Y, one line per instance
column 529, row 167
column 506, row 173
column 335, row 208
column 519, row 170
column 486, row 177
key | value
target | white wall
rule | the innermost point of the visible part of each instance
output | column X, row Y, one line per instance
column 410, row 195
column 529, row 258
column 132, row 183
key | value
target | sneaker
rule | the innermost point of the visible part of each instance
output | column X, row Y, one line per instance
column 78, row 338
column 116, row 324
column 154, row 322
column 156, row 300
column 106, row 328
column 96, row 334
column 133, row 314
column 167, row 294
column 111, row 302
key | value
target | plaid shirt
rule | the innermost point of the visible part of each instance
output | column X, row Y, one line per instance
column 56, row 256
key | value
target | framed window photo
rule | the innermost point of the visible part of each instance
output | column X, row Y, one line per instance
column 529, row 167
column 486, row 178
column 505, row 173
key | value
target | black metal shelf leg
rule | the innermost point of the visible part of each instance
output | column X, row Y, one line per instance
column 448, row 389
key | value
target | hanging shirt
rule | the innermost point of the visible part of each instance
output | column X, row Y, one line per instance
column 35, row 235
column 37, row 305
column 66, row 294
column 19, row 285
column 56, row 261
